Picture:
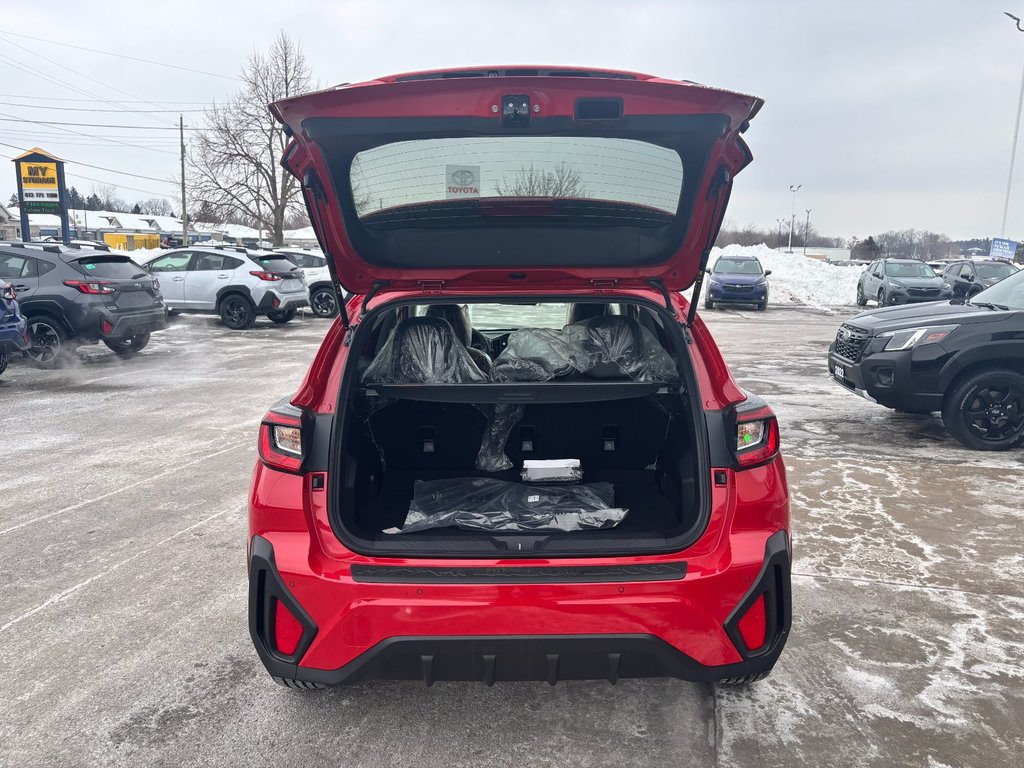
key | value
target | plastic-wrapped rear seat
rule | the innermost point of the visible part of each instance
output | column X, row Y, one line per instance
column 612, row 346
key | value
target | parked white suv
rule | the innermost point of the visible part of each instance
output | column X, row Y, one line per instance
column 322, row 298
column 234, row 282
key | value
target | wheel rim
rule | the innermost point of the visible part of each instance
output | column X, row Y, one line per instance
column 995, row 412
column 881, row 298
column 860, row 294
column 323, row 303
column 45, row 342
column 234, row 312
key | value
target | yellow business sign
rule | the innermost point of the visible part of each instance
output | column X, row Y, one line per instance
column 39, row 177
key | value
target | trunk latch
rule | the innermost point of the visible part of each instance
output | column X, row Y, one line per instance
column 603, row 285
column 431, row 286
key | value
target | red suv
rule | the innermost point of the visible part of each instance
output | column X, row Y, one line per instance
column 518, row 453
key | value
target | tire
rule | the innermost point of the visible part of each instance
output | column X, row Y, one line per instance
column 323, row 302
column 862, row 300
column 282, row 317
column 744, row 680
column 985, row 409
column 237, row 312
column 5, row 359
column 882, row 298
column 709, row 304
column 128, row 346
column 50, row 345
column 762, row 306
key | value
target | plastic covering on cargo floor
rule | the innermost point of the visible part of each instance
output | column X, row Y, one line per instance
column 487, row 504
column 600, row 348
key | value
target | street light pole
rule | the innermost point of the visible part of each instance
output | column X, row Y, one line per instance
column 1016, row 129
column 792, row 214
column 807, row 229
column 778, row 238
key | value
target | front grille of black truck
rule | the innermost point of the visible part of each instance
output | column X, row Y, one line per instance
column 850, row 342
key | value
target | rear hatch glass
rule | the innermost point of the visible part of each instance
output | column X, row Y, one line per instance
column 109, row 268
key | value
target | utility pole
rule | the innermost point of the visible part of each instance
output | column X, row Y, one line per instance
column 1013, row 149
column 778, row 238
column 807, row 229
column 184, row 216
column 792, row 214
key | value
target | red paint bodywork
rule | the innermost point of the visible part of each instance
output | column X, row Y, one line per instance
column 721, row 566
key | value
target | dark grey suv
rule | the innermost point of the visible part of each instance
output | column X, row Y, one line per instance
column 73, row 294
column 900, row 281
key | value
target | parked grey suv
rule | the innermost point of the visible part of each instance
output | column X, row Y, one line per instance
column 74, row 294
column 900, row 281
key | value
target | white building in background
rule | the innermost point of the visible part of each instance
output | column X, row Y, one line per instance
column 819, row 253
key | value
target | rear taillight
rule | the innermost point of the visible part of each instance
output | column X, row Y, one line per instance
column 268, row 276
column 92, row 287
column 280, row 442
column 757, row 437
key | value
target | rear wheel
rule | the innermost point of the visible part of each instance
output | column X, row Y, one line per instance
column 862, row 300
column 128, row 346
column 323, row 302
column 5, row 358
column 236, row 312
column 282, row 317
column 50, row 347
column 985, row 410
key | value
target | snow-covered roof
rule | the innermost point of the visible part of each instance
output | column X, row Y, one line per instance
column 142, row 222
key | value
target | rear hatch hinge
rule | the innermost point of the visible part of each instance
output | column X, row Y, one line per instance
column 431, row 286
column 377, row 285
column 607, row 284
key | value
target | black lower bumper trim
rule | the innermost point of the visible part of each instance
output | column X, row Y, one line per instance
column 539, row 658
column 585, row 574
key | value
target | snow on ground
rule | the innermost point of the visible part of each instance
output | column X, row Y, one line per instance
column 796, row 279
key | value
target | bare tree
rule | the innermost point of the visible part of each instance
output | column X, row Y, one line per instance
column 109, row 199
column 156, row 206
column 234, row 162
column 562, row 181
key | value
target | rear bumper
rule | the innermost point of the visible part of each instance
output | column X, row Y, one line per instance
column 14, row 337
column 678, row 628
column 124, row 326
column 281, row 302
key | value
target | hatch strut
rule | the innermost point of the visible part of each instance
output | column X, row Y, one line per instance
column 311, row 184
column 721, row 188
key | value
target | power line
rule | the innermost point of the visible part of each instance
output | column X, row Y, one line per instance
column 9, row 118
column 89, row 109
column 123, row 56
column 101, row 181
column 55, row 98
column 87, row 77
column 13, row 119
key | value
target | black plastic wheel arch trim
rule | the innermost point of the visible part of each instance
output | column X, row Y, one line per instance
column 586, row 574
column 266, row 590
column 773, row 583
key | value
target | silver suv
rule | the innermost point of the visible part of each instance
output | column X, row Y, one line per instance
column 234, row 282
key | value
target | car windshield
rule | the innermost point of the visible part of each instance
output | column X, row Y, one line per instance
column 274, row 263
column 908, row 269
column 738, row 266
column 116, row 267
column 567, row 167
column 994, row 270
column 1006, row 293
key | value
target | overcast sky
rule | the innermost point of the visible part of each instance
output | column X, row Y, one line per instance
column 890, row 114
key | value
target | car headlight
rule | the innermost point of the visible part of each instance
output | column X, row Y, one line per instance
column 912, row 337
column 896, row 284
column 762, row 280
column 947, row 287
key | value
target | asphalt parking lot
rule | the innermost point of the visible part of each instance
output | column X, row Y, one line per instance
column 123, row 637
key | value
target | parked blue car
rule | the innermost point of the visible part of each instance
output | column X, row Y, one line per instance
column 13, row 328
column 737, row 280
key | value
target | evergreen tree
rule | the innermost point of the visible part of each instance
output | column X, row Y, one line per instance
column 93, row 203
column 13, row 202
column 136, row 209
column 75, row 199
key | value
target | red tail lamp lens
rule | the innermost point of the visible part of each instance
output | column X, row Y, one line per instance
column 107, row 327
column 757, row 437
column 91, row 287
column 753, row 625
column 287, row 630
column 268, row 276
column 280, row 442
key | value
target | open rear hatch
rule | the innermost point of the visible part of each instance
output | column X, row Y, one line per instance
column 518, row 179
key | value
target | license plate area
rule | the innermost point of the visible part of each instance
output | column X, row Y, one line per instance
column 839, row 373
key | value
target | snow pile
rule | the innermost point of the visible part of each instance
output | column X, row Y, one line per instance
column 796, row 279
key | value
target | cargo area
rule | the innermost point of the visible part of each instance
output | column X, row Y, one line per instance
column 443, row 393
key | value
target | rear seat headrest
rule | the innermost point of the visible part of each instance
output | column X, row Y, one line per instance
column 457, row 317
column 424, row 350
column 580, row 312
